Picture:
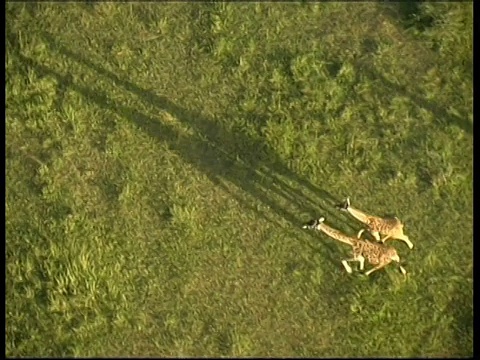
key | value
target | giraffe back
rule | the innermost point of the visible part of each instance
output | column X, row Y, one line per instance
column 384, row 225
column 372, row 252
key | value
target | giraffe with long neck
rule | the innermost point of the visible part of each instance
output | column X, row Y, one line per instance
column 392, row 228
column 376, row 254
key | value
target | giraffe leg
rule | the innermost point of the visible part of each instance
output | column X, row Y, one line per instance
column 385, row 238
column 376, row 235
column 361, row 259
column 360, row 233
column 407, row 241
column 346, row 266
column 375, row 269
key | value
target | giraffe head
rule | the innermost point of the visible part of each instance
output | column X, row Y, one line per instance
column 313, row 224
column 344, row 205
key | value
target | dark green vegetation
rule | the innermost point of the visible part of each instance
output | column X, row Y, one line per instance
column 161, row 158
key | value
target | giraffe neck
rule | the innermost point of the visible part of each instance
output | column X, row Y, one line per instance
column 335, row 234
column 359, row 215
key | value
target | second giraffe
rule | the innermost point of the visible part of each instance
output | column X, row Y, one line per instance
column 376, row 254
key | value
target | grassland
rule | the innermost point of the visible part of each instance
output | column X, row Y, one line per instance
column 161, row 158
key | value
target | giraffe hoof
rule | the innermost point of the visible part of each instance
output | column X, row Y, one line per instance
column 361, row 275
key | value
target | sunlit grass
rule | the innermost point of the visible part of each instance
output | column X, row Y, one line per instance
column 161, row 158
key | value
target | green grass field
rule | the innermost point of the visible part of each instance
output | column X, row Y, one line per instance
column 161, row 159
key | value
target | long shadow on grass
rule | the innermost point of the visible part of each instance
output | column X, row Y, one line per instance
column 213, row 160
column 204, row 150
